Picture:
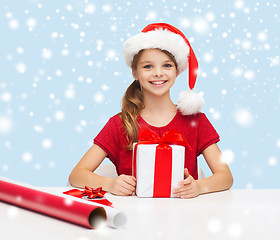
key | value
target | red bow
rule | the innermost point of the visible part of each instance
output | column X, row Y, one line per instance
column 163, row 158
column 90, row 193
column 93, row 193
column 147, row 136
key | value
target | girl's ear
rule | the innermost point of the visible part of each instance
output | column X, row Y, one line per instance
column 177, row 73
column 134, row 74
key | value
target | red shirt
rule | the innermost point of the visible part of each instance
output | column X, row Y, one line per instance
column 196, row 129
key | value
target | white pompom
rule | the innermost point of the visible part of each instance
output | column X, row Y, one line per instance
column 190, row 102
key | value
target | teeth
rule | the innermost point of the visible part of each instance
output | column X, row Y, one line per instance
column 157, row 82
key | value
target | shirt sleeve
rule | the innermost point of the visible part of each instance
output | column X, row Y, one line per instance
column 107, row 139
column 206, row 135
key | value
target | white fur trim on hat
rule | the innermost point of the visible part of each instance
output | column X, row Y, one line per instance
column 190, row 102
column 161, row 39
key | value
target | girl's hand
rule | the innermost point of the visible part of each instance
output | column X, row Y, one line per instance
column 123, row 185
column 188, row 188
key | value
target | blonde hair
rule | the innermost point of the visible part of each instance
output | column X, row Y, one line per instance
column 133, row 103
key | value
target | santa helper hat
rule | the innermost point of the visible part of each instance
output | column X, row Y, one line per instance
column 166, row 37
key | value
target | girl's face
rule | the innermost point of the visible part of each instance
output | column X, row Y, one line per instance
column 156, row 72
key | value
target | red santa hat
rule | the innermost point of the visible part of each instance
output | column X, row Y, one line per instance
column 166, row 37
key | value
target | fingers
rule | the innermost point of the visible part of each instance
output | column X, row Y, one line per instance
column 124, row 191
column 189, row 195
column 124, row 185
column 127, row 187
column 188, row 180
column 186, row 172
column 184, row 193
column 186, row 175
column 188, row 187
column 180, row 190
column 131, row 180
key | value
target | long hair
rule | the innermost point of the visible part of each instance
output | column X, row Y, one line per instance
column 133, row 103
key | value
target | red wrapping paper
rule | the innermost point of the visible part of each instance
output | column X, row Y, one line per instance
column 66, row 209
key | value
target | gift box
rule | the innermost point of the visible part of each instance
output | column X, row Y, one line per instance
column 158, row 163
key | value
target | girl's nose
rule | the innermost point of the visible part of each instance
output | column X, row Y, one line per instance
column 158, row 72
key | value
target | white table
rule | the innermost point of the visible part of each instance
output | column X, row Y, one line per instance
column 233, row 214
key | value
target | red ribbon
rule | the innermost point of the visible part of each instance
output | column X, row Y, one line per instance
column 163, row 158
column 91, row 194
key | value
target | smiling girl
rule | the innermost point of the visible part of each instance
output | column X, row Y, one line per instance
column 156, row 56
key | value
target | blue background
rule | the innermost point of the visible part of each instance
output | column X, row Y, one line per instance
column 63, row 76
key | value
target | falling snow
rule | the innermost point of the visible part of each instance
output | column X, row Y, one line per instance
column 214, row 225
column 63, row 77
column 47, row 143
column 6, row 124
column 227, row 156
column 243, row 117
column 12, row 212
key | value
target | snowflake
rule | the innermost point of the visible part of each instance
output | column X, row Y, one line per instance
column 13, row 24
column 6, row 97
column 272, row 161
column 227, row 156
column 243, row 117
column 214, row 225
column 46, row 53
column 59, row 115
column 6, row 124
column 21, row 68
column 99, row 97
column 200, row 26
column 90, row 9
column 27, row 157
column 47, row 143
column 31, row 23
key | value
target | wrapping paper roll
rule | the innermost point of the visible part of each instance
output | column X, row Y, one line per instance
column 87, row 215
column 115, row 218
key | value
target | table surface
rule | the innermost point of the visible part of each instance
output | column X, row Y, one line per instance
column 232, row 214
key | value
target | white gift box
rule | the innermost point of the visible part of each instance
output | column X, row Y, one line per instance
column 145, row 168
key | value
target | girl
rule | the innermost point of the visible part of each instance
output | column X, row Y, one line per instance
column 156, row 55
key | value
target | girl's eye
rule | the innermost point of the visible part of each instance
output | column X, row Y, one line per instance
column 167, row 65
column 147, row 66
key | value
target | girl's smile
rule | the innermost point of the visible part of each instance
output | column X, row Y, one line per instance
column 158, row 82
